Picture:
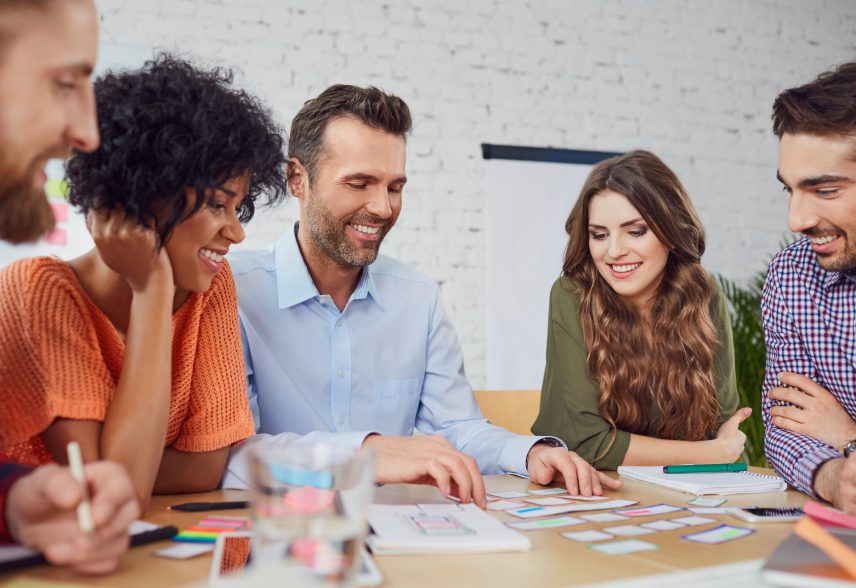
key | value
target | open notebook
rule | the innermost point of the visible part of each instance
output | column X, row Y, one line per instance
column 709, row 483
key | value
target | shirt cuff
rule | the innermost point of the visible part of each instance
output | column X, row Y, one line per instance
column 9, row 474
column 512, row 460
column 806, row 467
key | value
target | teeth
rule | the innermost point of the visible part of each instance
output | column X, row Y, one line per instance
column 823, row 240
column 215, row 257
column 366, row 230
column 622, row 269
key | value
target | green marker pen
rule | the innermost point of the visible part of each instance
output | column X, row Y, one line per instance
column 703, row 468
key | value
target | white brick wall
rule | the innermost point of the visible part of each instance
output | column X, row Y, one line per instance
column 691, row 80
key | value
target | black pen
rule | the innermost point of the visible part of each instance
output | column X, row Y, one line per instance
column 200, row 506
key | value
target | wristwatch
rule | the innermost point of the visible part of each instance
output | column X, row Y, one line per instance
column 849, row 448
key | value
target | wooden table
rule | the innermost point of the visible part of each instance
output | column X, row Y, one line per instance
column 553, row 561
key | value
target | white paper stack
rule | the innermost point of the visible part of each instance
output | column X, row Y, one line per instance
column 705, row 483
column 412, row 529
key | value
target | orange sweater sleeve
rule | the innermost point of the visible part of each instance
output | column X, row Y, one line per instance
column 52, row 362
column 218, row 412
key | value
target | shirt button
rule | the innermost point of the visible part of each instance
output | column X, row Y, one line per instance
column 341, row 373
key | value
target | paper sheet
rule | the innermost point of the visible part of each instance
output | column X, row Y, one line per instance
column 546, row 523
column 720, row 534
column 628, row 530
column 623, row 547
column 587, row 536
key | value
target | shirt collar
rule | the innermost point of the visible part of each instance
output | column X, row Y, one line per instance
column 830, row 279
column 294, row 284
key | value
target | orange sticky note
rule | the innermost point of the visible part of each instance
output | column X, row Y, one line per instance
column 837, row 551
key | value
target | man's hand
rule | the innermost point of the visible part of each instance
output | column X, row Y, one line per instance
column 815, row 412
column 835, row 482
column 548, row 464
column 40, row 510
column 428, row 460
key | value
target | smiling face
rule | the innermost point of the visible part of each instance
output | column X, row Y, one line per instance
column 355, row 197
column 47, row 106
column 819, row 174
column 624, row 249
column 198, row 244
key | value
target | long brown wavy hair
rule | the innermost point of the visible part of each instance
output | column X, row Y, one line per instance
column 674, row 366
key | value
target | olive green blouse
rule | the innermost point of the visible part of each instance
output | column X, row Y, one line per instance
column 569, row 394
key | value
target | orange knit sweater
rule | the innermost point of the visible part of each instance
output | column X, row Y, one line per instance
column 60, row 357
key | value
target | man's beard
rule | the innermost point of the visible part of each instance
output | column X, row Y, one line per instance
column 845, row 261
column 25, row 213
column 329, row 235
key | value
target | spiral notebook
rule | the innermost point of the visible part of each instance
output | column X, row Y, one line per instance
column 706, row 483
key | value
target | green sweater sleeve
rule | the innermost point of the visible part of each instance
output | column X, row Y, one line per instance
column 724, row 375
column 569, row 396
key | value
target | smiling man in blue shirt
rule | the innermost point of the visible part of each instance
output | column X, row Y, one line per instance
column 345, row 346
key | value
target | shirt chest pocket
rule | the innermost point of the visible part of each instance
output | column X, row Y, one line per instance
column 395, row 406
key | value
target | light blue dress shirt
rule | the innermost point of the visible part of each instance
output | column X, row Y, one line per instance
column 388, row 363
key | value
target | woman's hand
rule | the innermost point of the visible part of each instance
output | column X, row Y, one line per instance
column 730, row 439
column 129, row 249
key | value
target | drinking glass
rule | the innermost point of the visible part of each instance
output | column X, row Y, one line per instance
column 309, row 506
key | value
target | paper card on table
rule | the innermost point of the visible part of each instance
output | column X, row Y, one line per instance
column 441, row 509
column 184, row 551
column 546, row 523
column 663, row 525
column 508, row 494
column 548, row 491
column 693, row 521
column 547, row 501
column 587, row 536
column 603, row 517
column 647, row 511
column 628, row 530
column 706, row 501
column 623, row 547
column 708, row 509
column 719, row 534
column 546, row 511
column 590, row 498
column 505, row 504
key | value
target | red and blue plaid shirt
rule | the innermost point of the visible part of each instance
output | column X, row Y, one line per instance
column 810, row 329
column 9, row 474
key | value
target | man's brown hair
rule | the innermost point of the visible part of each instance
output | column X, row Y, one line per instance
column 822, row 107
column 370, row 106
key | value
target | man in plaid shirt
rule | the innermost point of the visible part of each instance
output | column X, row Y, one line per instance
column 809, row 299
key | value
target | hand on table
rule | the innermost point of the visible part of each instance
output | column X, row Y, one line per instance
column 428, row 460
column 41, row 513
column 814, row 411
column 835, row 482
column 548, row 464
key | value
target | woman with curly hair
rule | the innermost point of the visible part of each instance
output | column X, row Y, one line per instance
column 133, row 349
column 640, row 361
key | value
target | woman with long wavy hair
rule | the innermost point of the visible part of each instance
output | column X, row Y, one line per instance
column 640, row 361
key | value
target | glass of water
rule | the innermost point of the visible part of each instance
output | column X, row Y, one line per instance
column 309, row 507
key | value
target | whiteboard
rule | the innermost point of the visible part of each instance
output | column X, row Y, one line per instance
column 527, row 202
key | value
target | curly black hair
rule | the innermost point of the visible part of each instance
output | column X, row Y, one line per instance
column 169, row 126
